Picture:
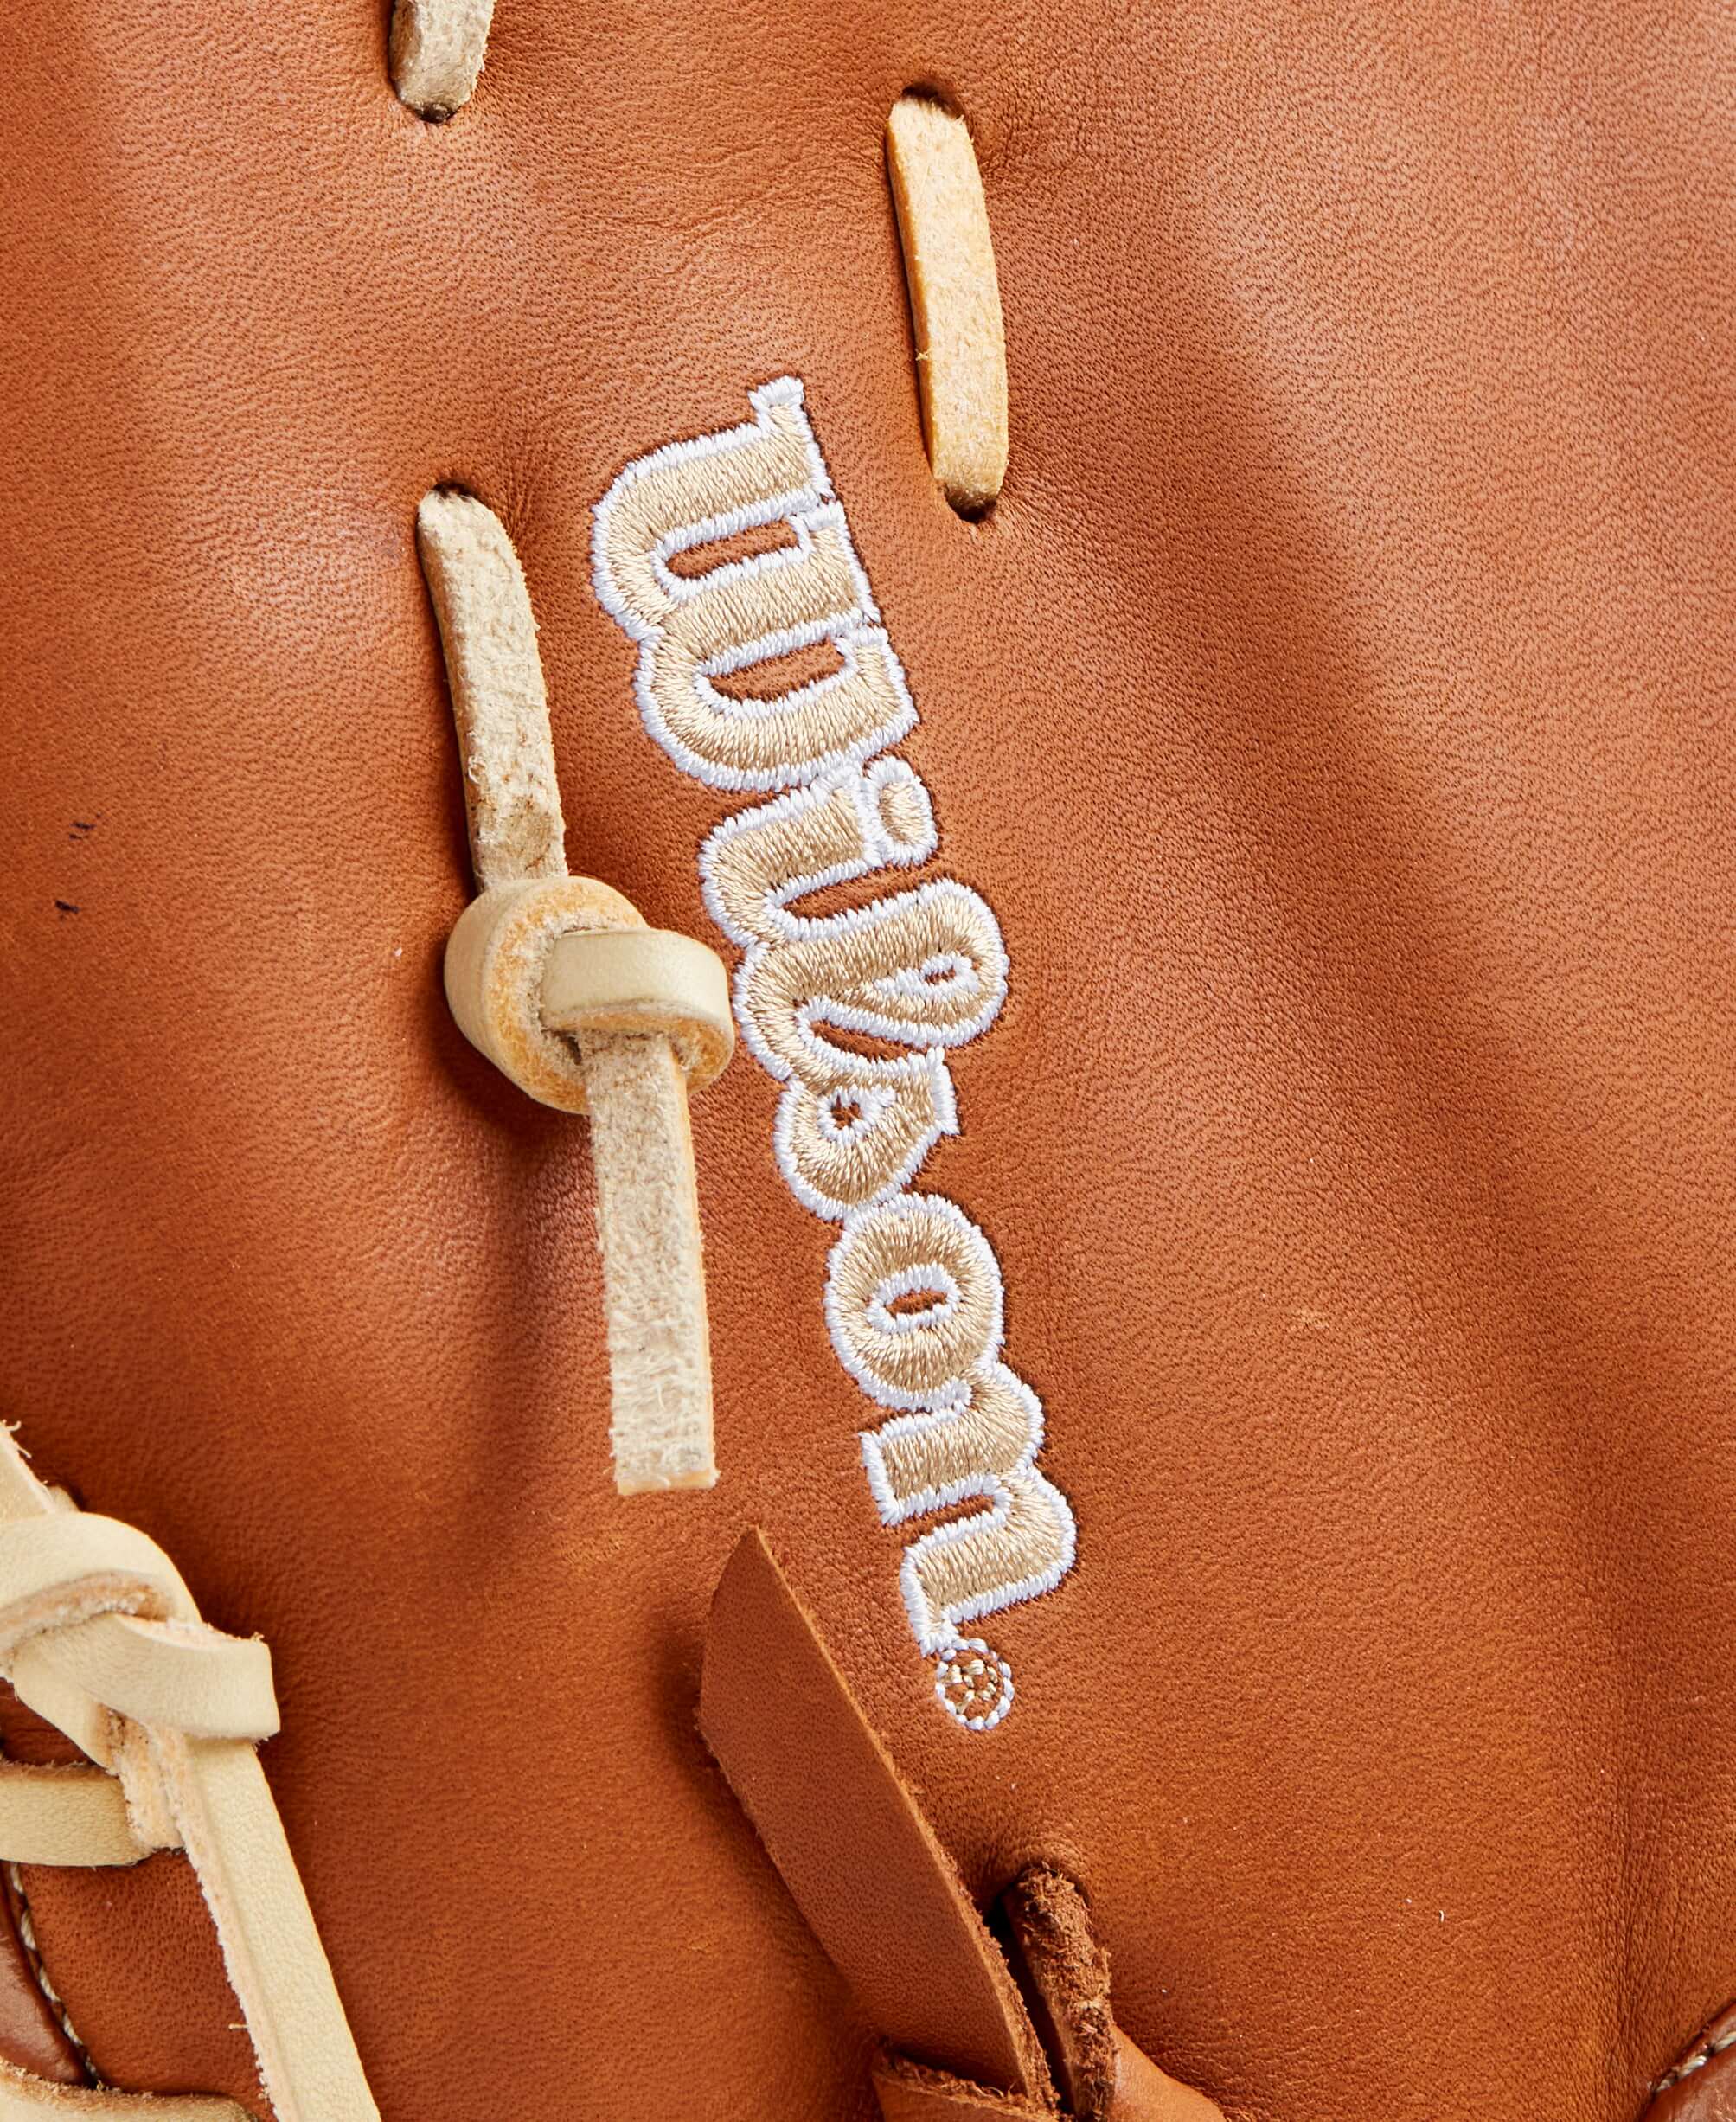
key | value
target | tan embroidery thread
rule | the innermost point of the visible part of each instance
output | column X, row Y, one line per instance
column 914, row 1293
column 692, row 629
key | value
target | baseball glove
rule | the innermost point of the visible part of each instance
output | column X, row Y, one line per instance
column 868, row 1072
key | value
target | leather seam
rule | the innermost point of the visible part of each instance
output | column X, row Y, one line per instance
column 26, row 1925
column 1698, row 2061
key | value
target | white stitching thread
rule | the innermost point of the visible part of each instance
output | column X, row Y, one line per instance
column 1698, row 2061
column 922, row 971
column 26, row 1930
column 966, row 1671
column 853, row 630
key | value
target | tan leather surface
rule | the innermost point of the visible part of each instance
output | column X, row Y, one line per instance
column 850, row 1841
column 1702, row 2085
column 1144, row 2093
column 1336, row 712
column 863, row 1865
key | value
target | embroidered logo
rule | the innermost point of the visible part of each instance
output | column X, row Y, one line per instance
column 913, row 1290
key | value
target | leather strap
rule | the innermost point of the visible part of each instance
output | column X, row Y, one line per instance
column 955, row 298
column 906, row 2093
column 1103, row 2076
column 25, row 2098
column 633, row 1021
column 864, row 1866
column 64, row 1816
column 99, row 1634
column 643, row 981
column 1140, row 2093
column 885, row 1899
column 437, row 51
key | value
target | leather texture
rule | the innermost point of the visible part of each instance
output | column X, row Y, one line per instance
column 1064, row 1973
column 1336, row 712
column 1142, row 2093
column 915, row 2096
column 883, row 1898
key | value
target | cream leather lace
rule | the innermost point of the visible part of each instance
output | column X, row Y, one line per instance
column 558, row 982
column 99, row 1636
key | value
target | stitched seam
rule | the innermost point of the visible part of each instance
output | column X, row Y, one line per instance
column 1698, row 2061
column 51, row 1996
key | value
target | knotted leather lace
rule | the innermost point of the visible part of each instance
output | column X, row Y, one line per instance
column 557, row 980
column 99, row 1636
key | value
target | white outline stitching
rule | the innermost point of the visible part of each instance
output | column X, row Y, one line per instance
column 806, row 509
column 897, row 1206
column 868, row 1081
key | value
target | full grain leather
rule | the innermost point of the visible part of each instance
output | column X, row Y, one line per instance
column 1336, row 712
